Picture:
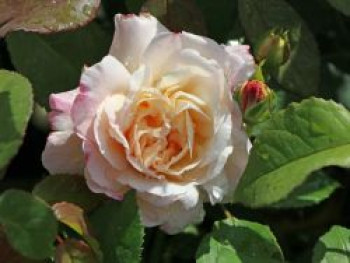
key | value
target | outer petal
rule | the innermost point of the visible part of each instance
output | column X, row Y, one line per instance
column 132, row 36
column 63, row 153
column 159, row 52
column 172, row 218
column 237, row 162
column 60, row 121
column 189, row 199
column 215, row 181
column 234, row 58
column 97, row 82
column 241, row 64
column 63, row 101
column 100, row 175
column 217, row 188
column 207, row 47
column 165, row 48
column 112, row 151
column 158, row 187
column 61, row 104
column 222, row 144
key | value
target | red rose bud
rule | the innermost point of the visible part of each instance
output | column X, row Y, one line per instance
column 274, row 49
column 257, row 102
column 253, row 92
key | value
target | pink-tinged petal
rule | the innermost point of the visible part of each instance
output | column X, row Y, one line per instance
column 241, row 63
column 63, row 101
column 132, row 36
column 83, row 114
column 100, row 175
column 61, row 104
column 63, row 154
column 173, row 217
column 97, row 82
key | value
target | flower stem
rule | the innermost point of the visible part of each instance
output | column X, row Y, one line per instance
column 226, row 212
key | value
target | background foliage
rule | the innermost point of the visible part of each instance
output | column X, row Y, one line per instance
column 292, row 204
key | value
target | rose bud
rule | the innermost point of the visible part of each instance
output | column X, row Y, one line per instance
column 72, row 250
column 72, row 216
column 256, row 100
column 274, row 48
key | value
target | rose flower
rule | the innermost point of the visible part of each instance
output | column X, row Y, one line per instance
column 156, row 115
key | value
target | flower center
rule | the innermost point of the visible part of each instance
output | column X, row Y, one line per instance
column 169, row 131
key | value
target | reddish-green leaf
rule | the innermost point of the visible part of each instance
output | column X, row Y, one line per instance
column 45, row 16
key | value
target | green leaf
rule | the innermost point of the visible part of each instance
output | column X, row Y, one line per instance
column 45, row 16
column 16, row 103
column 177, row 15
column 212, row 251
column 219, row 26
column 157, row 8
column 118, row 230
column 183, row 246
column 9, row 255
column 53, row 63
column 29, row 224
column 339, row 80
column 301, row 72
column 334, row 246
column 134, row 6
column 303, row 138
column 68, row 188
column 342, row 6
column 318, row 187
column 240, row 241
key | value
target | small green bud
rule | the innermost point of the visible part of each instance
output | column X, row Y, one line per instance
column 274, row 48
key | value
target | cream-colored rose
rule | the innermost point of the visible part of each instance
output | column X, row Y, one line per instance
column 156, row 115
